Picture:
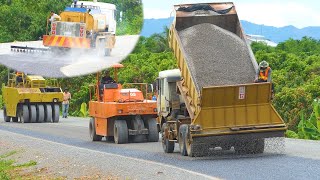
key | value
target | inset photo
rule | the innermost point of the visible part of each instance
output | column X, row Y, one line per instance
column 67, row 38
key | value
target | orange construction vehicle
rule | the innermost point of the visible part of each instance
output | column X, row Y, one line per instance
column 122, row 114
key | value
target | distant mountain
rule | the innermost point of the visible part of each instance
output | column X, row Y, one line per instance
column 274, row 34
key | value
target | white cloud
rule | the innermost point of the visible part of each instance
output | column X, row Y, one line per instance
column 279, row 14
column 150, row 13
column 273, row 13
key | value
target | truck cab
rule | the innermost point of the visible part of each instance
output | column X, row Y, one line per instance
column 168, row 101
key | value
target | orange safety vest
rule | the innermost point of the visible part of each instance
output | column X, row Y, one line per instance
column 264, row 74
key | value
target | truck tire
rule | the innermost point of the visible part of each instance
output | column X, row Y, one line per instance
column 168, row 146
column 120, row 130
column 15, row 119
column 182, row 135
column 40, row 113
column 33, row 113
column 48, row 113
column 152, row 126
column 92, row 131
column 138, row 125
column 5, row 117
column 189, row 145
column 55, row 113
column 25, row 115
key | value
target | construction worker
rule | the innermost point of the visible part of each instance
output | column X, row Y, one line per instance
column 19, row 77
column 65, row 103
column 106, row 79
column 54, row 17
column 264, row 74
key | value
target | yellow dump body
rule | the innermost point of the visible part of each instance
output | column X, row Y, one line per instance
column 33, row 89
column 223, row 110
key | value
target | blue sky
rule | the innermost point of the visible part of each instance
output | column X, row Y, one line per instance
column 268, row 12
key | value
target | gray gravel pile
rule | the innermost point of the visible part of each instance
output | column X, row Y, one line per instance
column 216, row 56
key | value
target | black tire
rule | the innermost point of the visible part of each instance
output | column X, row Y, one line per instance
column 189, row 145
column 55, row 113
column 48, row 113
column 152, row 126
column 25, row 114
column 92, row 131
column 15, row 119
column 137, row 125
column 40, row 113
column 120, row 131
column 33, row 113
column 182, row 135
column 168, row 146
column 5, row 117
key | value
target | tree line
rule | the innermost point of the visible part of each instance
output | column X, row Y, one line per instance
column 26, row 20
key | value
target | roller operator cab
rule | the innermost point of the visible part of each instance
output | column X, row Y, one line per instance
column 122, row 113
column 85, row 25
column 31, row 99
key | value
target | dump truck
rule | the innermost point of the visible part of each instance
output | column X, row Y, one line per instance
column 31, row 99
column 210, row 101
column 83, row 25
column 122, row 114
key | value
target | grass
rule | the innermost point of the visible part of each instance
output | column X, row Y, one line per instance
column 10, row 170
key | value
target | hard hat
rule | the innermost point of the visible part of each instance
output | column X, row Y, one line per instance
column 264, row 64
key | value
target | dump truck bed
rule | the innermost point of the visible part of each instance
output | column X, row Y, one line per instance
column 218, row 69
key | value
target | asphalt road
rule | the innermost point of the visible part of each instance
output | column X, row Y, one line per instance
column 299, row 160
column 68, row 64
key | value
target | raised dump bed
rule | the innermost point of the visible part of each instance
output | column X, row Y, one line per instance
column 217, row 69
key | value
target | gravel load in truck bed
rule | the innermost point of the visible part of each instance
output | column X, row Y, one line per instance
column 216, row 57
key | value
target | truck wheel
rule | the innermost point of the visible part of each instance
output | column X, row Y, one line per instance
column 25, row 115
column 120, row 131
column 152, row 126
column 33, row 113
column 48, row 113
column 55, row 113
column 168, row 146
column 182, row 135
column 15, row 119
column 40, row 113
column 92, row 131
column 189, row 144
column 5, row 117
column 138, row 125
